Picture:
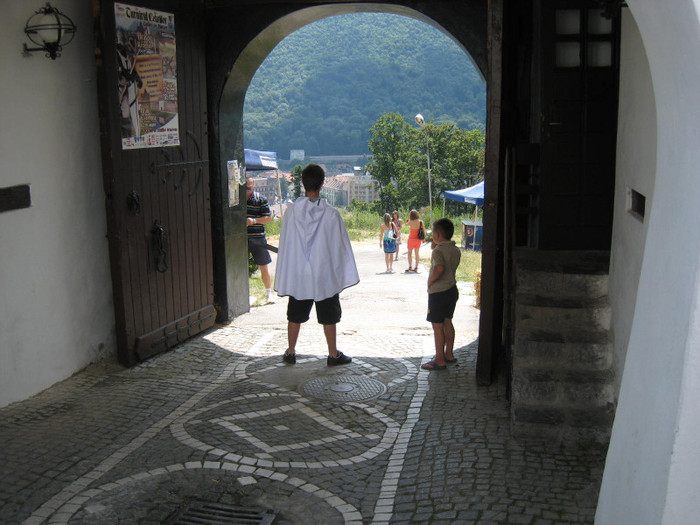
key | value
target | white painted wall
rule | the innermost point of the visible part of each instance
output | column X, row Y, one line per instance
column 651, row 470
column 636, row 168
column 56, row 313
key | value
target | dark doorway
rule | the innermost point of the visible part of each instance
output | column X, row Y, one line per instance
column 577, row 110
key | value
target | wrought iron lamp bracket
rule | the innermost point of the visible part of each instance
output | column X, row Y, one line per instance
column 50, row 30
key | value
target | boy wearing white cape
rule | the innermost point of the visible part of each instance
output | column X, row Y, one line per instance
column 315, row 263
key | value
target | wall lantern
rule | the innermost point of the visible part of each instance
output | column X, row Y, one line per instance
column 49, row 29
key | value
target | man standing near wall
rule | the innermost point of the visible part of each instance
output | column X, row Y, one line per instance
column 258, row 215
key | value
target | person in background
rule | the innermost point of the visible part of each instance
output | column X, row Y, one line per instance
column 387, row 241
column 397, row 225
column 258, row 214
column 442, row 293
column 415, row 224
column 315, row 263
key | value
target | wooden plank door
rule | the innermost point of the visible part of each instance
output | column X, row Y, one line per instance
column 579, row 74
column 152, row 97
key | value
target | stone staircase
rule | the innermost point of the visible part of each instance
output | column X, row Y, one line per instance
column 563, row 384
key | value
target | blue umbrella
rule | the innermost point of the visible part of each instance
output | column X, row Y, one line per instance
column 260, row 160
column 472, row 195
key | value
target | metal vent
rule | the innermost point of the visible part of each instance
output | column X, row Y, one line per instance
column 207, row 513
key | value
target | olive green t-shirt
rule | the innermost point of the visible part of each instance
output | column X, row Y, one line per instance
column 447, row 254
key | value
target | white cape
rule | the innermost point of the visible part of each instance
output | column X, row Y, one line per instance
column 315, row 259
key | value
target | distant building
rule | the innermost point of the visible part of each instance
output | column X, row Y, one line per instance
column 340, row 190
column 335, row 192
column 265, row 186
column 268, row 185
column 363, row 188
column 296, row 154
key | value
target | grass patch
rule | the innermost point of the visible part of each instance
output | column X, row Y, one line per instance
column 257, row 288
column 469, row 264
column 273, row 228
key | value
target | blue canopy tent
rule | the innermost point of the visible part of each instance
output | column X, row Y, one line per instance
column 472, row 195
column 260, row 160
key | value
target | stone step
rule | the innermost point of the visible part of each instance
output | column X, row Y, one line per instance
column 586, row 351
column 535, row 312
column 562, row 389
column 564, row 261
column 586, row 425
column 554, row 284
column 562, row 273
column 563, row 381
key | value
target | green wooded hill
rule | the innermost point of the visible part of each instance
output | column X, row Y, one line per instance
column 325, row 85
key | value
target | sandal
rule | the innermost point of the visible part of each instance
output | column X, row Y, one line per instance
column 432, row 365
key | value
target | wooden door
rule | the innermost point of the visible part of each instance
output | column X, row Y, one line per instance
column 152, row 97
column 579, row 52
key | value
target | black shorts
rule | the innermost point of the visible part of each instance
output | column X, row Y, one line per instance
column 258, row 247
column 327, row 311
column 441, row 305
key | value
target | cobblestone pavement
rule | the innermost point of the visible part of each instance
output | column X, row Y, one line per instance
column 220, row 423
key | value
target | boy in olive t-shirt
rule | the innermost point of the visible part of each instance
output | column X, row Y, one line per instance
column 442, row 293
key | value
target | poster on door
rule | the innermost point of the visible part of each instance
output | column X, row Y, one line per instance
column 147, row 76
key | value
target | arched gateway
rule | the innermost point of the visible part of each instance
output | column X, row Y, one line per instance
column 177, row 229
column 176, row 218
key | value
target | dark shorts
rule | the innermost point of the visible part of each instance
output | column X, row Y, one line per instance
column 261, row 255
column 327, row 311
column 441, row 305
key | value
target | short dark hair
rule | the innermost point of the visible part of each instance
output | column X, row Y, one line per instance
column 445, row 227
column 312, row 177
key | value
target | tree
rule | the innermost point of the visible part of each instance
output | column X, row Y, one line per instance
column 296, row 177
column 456, row 157
column 390, row 143
column 400, row 160
column 369, row 207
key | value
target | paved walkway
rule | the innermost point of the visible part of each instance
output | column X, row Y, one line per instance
column 220, row 424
